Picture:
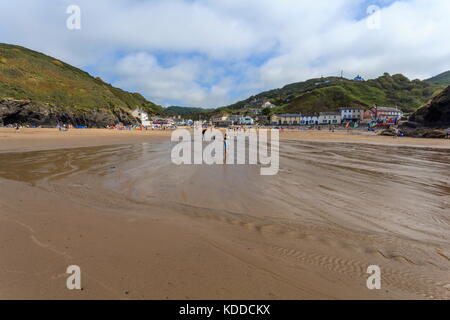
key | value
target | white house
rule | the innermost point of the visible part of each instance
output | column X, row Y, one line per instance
column 330, row 118
column 241, row 120
column 268, row 104
column 143, row 116
column 309, row 120
column 246, row 121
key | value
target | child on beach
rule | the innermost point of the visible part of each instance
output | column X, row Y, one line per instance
column 225, row 142
column 225, row 145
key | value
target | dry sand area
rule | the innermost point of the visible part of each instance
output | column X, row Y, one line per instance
column 141, row 227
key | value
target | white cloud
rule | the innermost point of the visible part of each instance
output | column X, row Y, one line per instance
column 226, row 49
column 178, row 83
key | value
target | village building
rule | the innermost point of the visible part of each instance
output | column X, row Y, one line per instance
column 221, row 120
column 235, row 119
column 309, row 120
column 262, row 119
column 368, row 116
column 143, row 117
column 256, row 103
column 385, row 113
column 268, row 104
column 225, row 120
column 287, row 119
column 260, row 103
column 160, row 121
column 178, row 121
column 351, row 114
column 247, row 121
column 330, row 118
column 254, row 112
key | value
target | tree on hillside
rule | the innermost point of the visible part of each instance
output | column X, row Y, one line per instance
column 267, row 111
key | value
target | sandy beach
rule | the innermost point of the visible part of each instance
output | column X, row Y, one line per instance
column 141, row 227
column 47, row 139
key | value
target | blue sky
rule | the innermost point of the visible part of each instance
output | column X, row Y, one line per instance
column 211, row 53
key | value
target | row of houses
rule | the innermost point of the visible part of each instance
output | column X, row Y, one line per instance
column 225, row 120
column 344, row 115
column 300, row 119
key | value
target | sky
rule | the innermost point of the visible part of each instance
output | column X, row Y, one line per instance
column 210, row 53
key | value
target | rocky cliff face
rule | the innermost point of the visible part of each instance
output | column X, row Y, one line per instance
column 436, row 113
column 35, row 114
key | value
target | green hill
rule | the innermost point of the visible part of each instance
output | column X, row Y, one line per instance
column 50, row 91
column 332, row 93
column 442, row 79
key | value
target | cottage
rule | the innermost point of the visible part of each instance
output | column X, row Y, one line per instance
column 352, row 114
column 309, row 120
column 330, row 117
column 268, row 104
column 286, row 119
column 221, row 120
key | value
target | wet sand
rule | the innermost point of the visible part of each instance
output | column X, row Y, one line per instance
column 142, row 228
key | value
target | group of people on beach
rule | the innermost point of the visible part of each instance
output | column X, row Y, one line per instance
column 63, row 127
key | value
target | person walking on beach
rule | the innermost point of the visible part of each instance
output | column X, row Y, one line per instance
column 225, row 146
column 396, row 133
column 17, row 128
column 447, row 133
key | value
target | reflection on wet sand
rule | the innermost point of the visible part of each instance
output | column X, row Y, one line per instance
column 333, row 210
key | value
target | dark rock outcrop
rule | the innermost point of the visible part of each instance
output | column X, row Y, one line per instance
column 34, row 114
column 428, row 133
column 436, row 113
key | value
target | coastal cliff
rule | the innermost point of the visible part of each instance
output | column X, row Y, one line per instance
column 36, row 89
column 436, row 113
column 36, row 114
